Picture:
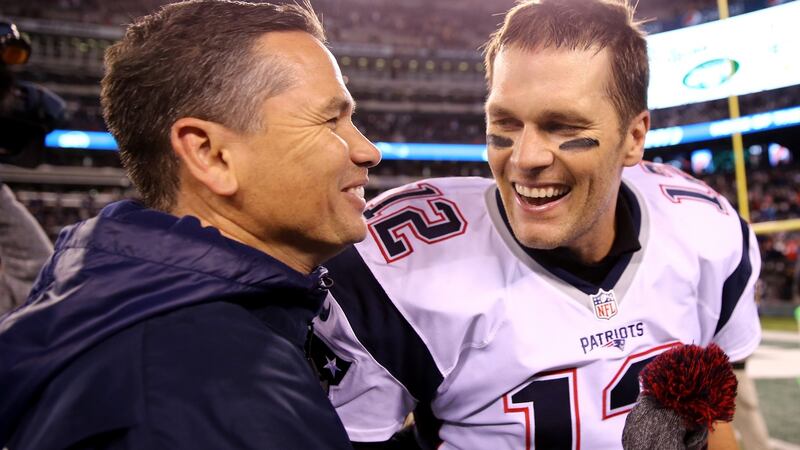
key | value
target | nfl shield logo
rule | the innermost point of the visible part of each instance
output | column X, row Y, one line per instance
column 605, row 304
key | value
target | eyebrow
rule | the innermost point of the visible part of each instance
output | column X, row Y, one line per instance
column 573, row 118
column 495, row 110
column 337, row 105
column 570, row 117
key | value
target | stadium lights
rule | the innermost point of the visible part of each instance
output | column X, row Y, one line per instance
column 662, row 137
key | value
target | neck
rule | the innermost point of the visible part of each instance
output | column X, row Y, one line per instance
column 591, row 254
column 223, row 218
column 593, row 247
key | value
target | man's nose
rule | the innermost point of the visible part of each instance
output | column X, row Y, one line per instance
column 533, row 151
column 363, row 153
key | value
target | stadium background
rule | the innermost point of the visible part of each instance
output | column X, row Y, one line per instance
column 416, row 72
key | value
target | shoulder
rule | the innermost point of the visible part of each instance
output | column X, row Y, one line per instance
column 205, row 334
column 427, row 241
column 225, row 350
column 434, row 238
column 686, row 212
column 664, row 187
column 460, row 192
column 236, row 376
column 255, row 384
column 686, row 222
column 426, row 218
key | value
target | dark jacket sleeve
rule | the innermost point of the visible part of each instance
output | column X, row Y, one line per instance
column 217, row 377
column 206, row 377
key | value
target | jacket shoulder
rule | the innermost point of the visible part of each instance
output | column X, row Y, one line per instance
column 204, row 376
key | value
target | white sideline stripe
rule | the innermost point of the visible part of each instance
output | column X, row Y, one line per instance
column 780, row 336
column 778, row 444
column 772, row 361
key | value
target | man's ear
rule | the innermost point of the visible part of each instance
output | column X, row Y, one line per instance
column 203, row 148
column 634, row 138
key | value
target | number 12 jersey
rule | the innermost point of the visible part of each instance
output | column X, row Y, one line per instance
column 440, row 311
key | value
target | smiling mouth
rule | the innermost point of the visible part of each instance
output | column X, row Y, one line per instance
column 358, row 191
column 541, row 196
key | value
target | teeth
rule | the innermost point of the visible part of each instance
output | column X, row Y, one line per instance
column 358, row 191
column 548, row 192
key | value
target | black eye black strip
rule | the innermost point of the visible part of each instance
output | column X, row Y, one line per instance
column 579, row 143
column 499, row 141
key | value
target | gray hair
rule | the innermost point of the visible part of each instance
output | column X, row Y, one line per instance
column 192, row 59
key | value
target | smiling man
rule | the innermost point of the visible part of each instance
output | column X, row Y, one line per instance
column 517, row 313
column 560, row 188
column 181, row 322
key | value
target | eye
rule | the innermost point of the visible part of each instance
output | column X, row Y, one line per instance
column 332, row 122
column 562, row 128
column 507, row 123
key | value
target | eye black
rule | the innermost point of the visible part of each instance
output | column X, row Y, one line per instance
column 499, row 141
column 579, row 143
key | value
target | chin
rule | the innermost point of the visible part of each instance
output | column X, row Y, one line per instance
column 356, row 238
column 355, row 232
column 539, row 244
column 539, row 239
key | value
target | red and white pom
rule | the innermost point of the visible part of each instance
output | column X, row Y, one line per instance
column 697, row 383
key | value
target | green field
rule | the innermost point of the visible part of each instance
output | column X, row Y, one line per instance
column 780, row 397
column 778, row 323
column 780, row 405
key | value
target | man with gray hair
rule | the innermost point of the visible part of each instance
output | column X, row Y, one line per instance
column 182, row 321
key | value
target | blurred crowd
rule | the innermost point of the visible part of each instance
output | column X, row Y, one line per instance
column 417, row 78
column 447, row 25
column 780, row 274
column 718, row 109
column 408, row 127
column 468, row 127
column 774, row 194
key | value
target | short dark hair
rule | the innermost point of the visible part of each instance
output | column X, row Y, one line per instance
column 582, row 24
column 191, row 59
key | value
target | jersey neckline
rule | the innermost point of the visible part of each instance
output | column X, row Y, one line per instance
column 618, row 279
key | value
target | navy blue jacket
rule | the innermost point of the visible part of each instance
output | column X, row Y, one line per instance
column 145, row 331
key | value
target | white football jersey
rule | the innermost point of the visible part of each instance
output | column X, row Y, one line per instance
column 441, row 311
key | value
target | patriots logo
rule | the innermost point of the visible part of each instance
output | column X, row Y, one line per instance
column 615, row 337
column 618, row 343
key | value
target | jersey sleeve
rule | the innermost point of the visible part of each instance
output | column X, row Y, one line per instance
column 722, row 247
column 386, row 367
column 738, row 330
column 371, row 403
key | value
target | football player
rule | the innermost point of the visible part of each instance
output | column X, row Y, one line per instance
column 517, row 313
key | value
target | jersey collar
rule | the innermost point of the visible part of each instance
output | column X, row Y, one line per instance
column 621, row 261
